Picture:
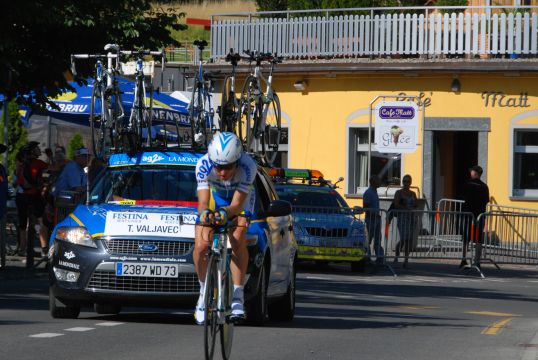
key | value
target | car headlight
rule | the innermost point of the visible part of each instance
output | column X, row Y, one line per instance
column 75, row 235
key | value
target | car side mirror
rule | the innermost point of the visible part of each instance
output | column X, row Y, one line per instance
column 278, row 208
column 357, row 210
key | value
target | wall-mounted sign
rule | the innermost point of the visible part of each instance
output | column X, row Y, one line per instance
column 500, row 99
column 396, row 126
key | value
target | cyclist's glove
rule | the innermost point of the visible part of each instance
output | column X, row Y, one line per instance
column 221, row 216
column 204, row 216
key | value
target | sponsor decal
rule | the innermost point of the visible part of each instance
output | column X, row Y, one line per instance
column 204, row 169
column 69, row 265
column 69, row 255
column 152, row 158
column 150, row 224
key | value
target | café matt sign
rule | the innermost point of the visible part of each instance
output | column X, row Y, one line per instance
column 396, row 126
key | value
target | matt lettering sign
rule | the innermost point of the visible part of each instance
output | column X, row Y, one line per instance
column 149, row 224
column 396, row 127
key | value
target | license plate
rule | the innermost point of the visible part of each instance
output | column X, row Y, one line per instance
column 147, row 269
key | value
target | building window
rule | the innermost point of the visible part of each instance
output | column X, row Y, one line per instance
column 525, row 162
column 386, row 166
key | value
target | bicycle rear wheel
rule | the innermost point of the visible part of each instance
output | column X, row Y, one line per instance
column 98, row 120
column 211, row 326
column 227, row 329
column 249, row 112
column 272, row 131
column 228, row 108
column 197, row 116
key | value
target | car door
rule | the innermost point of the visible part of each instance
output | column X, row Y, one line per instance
column 280, row 230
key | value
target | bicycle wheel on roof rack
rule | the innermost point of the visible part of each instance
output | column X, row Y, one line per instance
column 249, row 112
column 198, row 117
column 99, row 114
column 229, row 109
column 272, row 132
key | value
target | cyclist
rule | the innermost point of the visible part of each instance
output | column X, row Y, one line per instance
column 225, row 176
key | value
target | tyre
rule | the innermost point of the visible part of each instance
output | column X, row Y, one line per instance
column 249, row 112
column 284, row 308
column 272, row 131
column 257, row 306
column 97, row 120
column 107, row 309
column 228, row 109
column 227, row 329
column 58, row 310
column 210, row 308
column 198, row 117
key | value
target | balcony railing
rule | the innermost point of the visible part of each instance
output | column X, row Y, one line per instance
column 429, row 32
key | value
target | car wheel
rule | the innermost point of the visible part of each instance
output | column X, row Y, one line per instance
column 358, row 266
column 257, row 306
column 60, row 311
column 107, row 309
column 284, row 309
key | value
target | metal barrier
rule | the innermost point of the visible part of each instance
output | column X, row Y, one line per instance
column 427, row 234
column 329, row 233
column 507, row 237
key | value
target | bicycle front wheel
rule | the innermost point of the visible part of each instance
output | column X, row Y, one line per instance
column 211, row 326
column 249, row 112
column 272, row 131
column 227, row 329
column 98, row 119
column 197, row 116
column 228, row 108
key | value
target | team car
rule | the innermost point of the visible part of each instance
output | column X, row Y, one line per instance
column 131, row 243
column 325, row 227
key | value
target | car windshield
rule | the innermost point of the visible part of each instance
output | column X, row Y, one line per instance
column 174, row 185
column 312, row 197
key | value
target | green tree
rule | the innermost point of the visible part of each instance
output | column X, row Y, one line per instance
column 17, row 135
column 75, row 143
column 38, row 37
column 272, row 5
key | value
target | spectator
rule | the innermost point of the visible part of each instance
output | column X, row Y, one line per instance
column 73, row 176
column 476, row 196
column 3, row 187
column 48, row 154
column 405, row 200
column 370, row 201
column 31, row 180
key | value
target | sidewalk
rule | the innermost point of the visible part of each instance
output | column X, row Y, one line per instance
column 16, row 269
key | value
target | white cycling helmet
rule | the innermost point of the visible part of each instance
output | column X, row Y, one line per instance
column 225, row 148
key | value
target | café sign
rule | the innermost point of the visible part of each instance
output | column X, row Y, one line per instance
column 396, row 127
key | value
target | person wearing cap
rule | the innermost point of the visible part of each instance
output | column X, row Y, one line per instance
column 73, row 176
column 476, row 196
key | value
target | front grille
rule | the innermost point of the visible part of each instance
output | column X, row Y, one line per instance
column 322, row 232
column 106, row 280
column 131, row 247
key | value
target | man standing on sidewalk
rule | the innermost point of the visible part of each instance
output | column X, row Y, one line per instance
column 370, row 203
column 476, row 196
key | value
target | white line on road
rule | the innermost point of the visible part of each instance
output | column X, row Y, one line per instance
column 111, row 323
column 317, row 278
column 80, row 329
column 46, row 335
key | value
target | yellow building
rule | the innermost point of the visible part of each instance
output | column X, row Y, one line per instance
column 475, row 76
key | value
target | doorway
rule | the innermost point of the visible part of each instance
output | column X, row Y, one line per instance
column 454, row 152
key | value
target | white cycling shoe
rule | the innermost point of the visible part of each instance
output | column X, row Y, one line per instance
column 238, row 309
column 199, row 311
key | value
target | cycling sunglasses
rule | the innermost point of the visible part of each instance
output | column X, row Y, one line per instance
column 224, row 167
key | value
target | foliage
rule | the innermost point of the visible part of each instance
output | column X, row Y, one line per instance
column 38, row 37
column 17, row 135
column 272, row 5
column 333, row 4
column 75, row 143
column 451, row 3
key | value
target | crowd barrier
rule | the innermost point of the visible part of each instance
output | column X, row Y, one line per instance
column 500, row 236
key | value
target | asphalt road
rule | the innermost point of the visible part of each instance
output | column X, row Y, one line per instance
column 428, row 312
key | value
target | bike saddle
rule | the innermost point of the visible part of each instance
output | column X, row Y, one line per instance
column 233, row 57
column 211, row 75
column 114, row 47
column 200, row 43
